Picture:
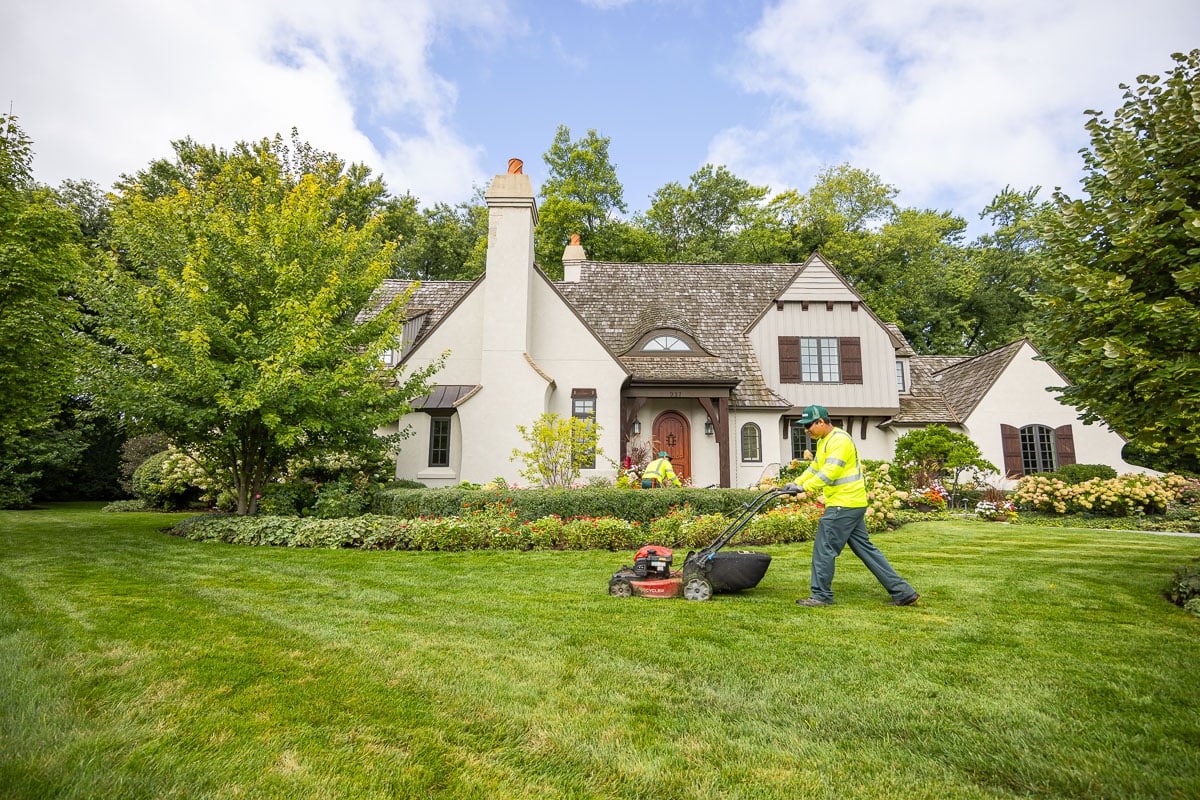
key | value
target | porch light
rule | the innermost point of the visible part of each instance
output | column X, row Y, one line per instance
column 637, row 427
column 708, row 428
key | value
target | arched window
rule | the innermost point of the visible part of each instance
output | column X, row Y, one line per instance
column 1037, row 449
column 666, row 343
column 751, row 442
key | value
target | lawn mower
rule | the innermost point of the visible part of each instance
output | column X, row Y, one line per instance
column 705, row 572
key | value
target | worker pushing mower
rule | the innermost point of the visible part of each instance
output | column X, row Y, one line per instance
column 837, row 473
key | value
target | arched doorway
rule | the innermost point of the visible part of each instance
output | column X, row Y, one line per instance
column 673, row 434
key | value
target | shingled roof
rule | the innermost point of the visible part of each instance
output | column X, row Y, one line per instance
column 431, row 302
column 714, row 304
column 946, row 389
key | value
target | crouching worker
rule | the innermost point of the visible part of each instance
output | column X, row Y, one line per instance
column 659, row 473
column 835, row 471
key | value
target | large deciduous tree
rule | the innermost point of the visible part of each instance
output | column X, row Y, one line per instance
column 440, row 243
column 1119, row 301
column 40, row 257
column 581, row 194
column 702, row 222
column 227, row 316
column 1006, row 270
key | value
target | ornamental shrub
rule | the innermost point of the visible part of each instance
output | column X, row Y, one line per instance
column 685, row 530
column 1073, row 474
column 1114, row 497
column 1184, row 589
column 1189, row 492
column 786, row 523
column 288, row 499
column 345, row 497
column 600, row 533
column 164, row 481
column 884, row 500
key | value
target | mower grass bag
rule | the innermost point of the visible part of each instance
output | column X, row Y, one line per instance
column 735, row 571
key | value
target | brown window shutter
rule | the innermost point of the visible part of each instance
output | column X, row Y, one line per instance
column 1064, row 445
column 789, row 359
column 1014, row 467
column 850, row 356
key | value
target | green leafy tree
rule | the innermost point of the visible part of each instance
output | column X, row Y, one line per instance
column 227, row 316
column 919, row 274
column 935, row 453
column 443, row 243
column 40, row 258
column 559, row 448
column 844, row 205
column 701, row 223
column 91, row 208
column 1006, row 261
column 28, row 457
column 1118, row 307
column 581, row 194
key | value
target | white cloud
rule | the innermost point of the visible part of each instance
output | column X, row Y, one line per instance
column 949, row 100
column 103, row 87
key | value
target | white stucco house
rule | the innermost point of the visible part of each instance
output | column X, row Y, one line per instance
column 711, row 363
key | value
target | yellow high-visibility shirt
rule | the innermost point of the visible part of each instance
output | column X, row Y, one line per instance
column 661, row 470
column 835, row 470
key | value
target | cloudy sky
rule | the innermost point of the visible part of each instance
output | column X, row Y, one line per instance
column 948, row 100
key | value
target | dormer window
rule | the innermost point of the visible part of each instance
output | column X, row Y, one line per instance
column 666, row 343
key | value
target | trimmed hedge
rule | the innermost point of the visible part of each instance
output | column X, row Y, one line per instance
column 497, row 527
column 532, row 504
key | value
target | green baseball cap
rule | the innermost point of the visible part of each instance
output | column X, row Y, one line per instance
column 663, row 454
column 812, row 414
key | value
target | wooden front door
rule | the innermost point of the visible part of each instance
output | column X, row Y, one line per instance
column 673, row 434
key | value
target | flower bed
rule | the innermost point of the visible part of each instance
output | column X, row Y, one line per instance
column 996, row 511
column 929, row 498
column 1113, row 497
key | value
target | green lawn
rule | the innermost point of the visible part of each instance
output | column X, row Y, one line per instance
column 1040, row 663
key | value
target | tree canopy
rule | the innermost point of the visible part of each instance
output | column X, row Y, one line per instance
column 581, row 194
column 227, row 315
column 701, row 223
column 1118, row 300
column 930, row 454
column 40, row 258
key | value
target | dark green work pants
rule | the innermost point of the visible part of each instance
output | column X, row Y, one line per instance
column 848, row 526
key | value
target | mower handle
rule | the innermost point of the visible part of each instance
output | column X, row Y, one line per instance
column 742, row 521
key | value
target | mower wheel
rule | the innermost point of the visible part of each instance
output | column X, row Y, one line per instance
column 697, row 589
column 620, row 588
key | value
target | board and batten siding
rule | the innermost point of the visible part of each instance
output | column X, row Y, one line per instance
column 828, row 318
column 817, row 283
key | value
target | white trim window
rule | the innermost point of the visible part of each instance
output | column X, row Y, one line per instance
column 751, row 443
